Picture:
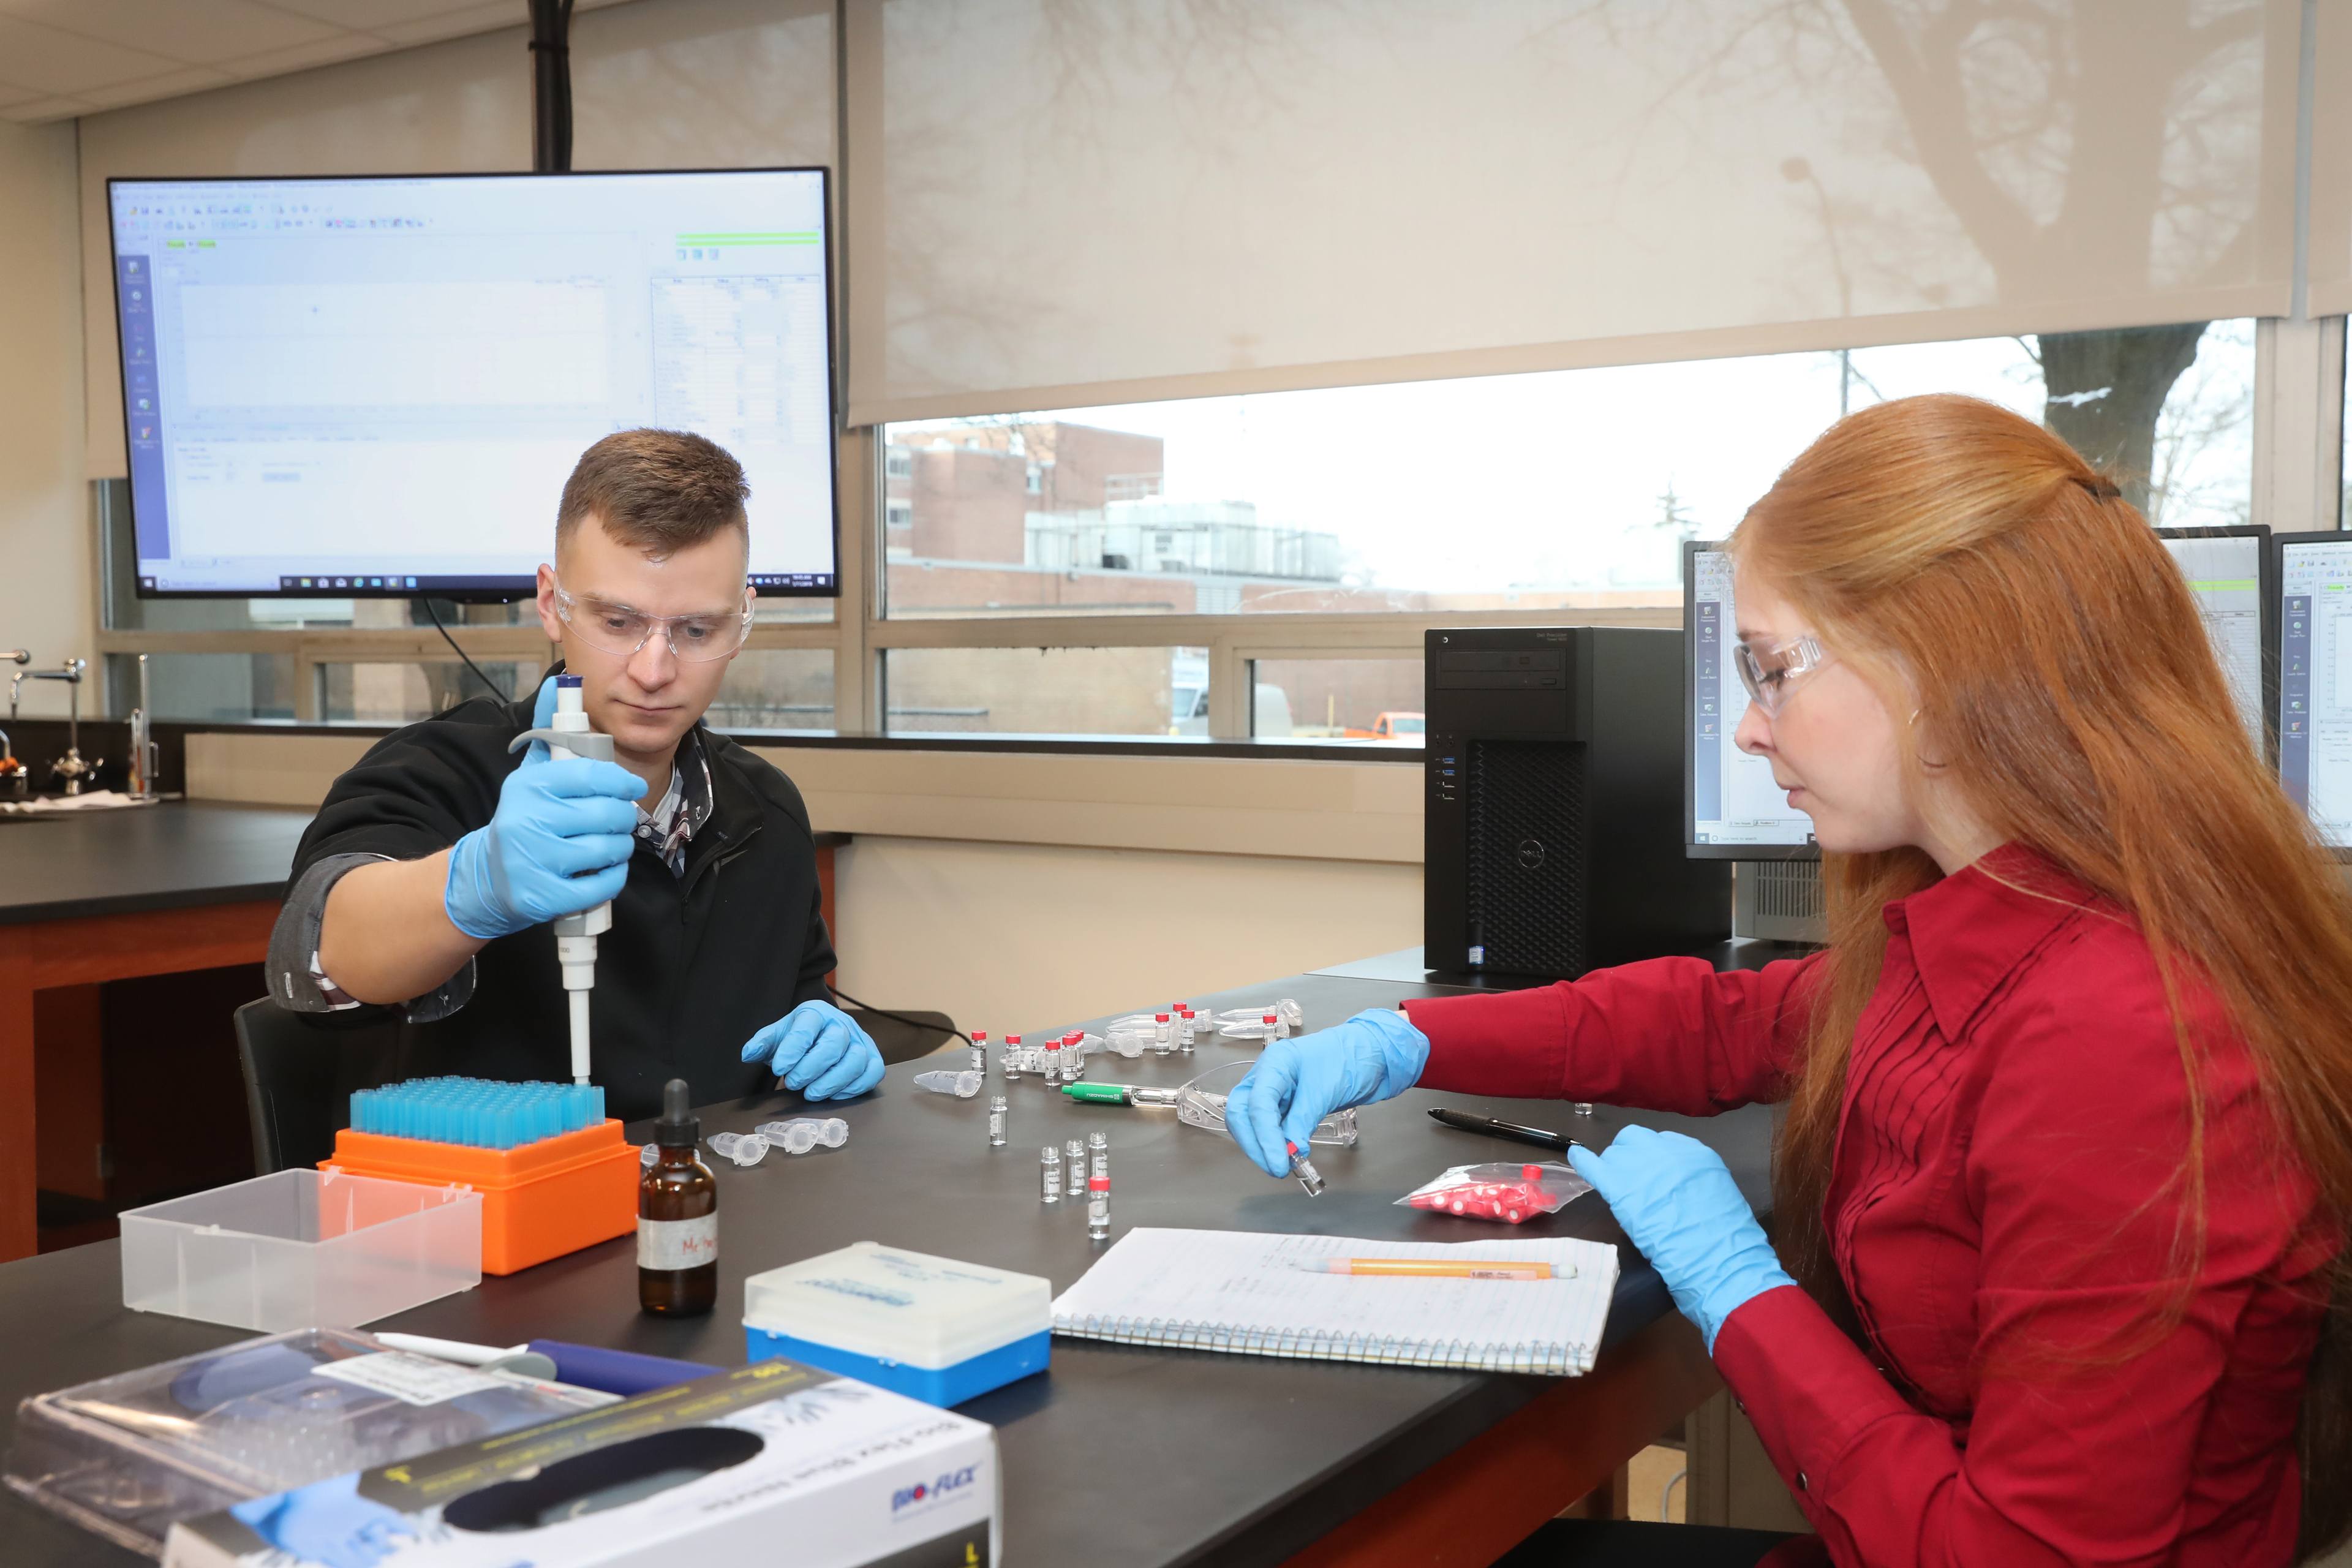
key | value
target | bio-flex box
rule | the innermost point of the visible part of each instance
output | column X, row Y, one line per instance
column 934, row 1329
column 772, row 1462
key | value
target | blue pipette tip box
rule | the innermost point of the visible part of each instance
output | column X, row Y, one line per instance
column 933, row 1328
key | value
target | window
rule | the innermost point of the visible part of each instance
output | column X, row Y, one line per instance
column 1377, row 700
column 776, row 689
column 1143, row 691
column 1383, row 499
column 898, row 463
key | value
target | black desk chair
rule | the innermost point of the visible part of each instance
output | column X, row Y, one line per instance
column 300, row 1072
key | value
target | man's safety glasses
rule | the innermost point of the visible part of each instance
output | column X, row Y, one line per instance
column 1769, row 672
column 618, row 629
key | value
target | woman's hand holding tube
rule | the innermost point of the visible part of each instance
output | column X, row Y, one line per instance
column 1375, row 1055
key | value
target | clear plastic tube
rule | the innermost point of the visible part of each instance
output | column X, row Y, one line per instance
column 962, row 1085
column 1291, row 1015
column 744, row 1148
column 803, row 1134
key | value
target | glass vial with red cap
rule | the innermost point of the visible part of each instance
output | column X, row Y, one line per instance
column 1098, row 1208
column 979, row 1051
column 678, row 1218
column 1011, row 1058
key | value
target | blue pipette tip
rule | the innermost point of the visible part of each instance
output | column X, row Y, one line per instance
column 478, row 1113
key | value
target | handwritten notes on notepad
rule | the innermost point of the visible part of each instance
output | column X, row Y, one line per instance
column 1267, row 1295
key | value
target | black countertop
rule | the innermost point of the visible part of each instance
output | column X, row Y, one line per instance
column 1118, row 1454
column 171, row 855
column 168, row 856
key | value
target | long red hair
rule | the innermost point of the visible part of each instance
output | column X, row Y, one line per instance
column 2059, row 663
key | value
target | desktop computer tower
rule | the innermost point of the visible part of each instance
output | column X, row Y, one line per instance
column 1553, row 833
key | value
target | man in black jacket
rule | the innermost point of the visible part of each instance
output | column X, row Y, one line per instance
column 427, row 882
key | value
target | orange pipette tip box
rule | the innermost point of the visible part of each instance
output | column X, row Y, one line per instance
column 539, row 1200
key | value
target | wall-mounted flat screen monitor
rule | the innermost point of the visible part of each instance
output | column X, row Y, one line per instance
column 375, row 386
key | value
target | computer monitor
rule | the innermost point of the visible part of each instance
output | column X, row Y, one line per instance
column 1731, row 808
column 363, row 388
column 2314, row 679
column 1734, row 811
column 2231, row 575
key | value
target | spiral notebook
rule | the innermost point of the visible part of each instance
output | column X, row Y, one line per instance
column 1248, row 1294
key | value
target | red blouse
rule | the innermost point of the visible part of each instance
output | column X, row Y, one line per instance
column 2004, row 1182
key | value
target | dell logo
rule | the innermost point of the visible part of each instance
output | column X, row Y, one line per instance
column 1531, row 853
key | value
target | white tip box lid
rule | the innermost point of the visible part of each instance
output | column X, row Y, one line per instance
column 894, row 1305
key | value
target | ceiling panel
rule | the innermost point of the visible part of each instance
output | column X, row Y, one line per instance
column 195, row 32
column 59, row 58
column 44, row 58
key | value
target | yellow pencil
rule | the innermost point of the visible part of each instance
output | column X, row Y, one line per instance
column 1436, row 1268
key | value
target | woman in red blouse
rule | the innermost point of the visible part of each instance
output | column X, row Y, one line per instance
column 2068, row 1161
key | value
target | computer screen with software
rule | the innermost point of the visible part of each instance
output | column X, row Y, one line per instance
column 2315, row 679
column 1734, row 810
column 2227, row 570
column 1731, row 807
column 375, row 386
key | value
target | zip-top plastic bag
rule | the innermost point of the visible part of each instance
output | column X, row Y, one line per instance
column 1513, row 1194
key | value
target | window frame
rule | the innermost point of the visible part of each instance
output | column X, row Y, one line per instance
column 2297, row 483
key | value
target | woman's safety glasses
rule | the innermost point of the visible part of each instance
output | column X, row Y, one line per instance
column 1771, row 671
column 618, row 629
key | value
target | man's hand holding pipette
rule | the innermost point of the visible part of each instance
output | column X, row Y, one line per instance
column 819, row 1050
column 558, row 843
column 1376, row 1055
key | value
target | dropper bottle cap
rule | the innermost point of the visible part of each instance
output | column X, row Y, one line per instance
column 678, row 1127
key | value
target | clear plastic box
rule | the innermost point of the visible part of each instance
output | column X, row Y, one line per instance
column 127, row 1455
column 301, row 1248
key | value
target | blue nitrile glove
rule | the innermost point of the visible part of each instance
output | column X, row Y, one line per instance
column 328, row 1522
column 1376, row 1055
column 558, row 843
column 818, row 1049
column 1676, row 1200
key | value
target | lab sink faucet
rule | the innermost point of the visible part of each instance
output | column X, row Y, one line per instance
column 70, row 769
column 13, row 774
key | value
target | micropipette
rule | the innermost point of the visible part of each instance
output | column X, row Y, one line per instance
column 568, row 737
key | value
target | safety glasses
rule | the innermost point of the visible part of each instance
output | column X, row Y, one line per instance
column 1773, row 670
column 618, row 629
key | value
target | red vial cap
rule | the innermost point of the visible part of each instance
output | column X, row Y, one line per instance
column 1160, row 1017
column 1097, row 1183
column 1053, row 1044
column 980, row 1037
column 1532, row 1173
column 1269, row 1017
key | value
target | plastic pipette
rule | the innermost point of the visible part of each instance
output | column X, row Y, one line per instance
column 569, row 736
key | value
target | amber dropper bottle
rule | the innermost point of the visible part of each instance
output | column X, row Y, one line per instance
column 678, row 1218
